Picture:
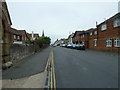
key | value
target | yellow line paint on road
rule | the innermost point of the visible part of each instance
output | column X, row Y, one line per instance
column 52, row 72
column 51, row 78
column 54, row 77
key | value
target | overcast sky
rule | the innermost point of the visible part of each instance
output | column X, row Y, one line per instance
column 58, row 19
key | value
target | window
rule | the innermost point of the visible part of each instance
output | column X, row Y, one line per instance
column 108, row 43
column 18, row 37
column 95, row 42
column 95, row 32
column 90, row 33
column 104, row 27
column 117, row 23
column 82, row 35
column 14, row 36
column 117, row 42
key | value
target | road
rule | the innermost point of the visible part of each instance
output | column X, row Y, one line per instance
column 29, row 66
column 85, row 69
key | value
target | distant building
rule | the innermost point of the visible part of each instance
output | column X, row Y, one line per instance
column 70, row 38
column 19, row 36
column 33, row 36
column 43, row 34
column 60, row 42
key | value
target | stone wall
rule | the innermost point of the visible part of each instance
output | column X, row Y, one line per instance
column 18, row 52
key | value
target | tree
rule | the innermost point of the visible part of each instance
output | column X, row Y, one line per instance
column 44, row 40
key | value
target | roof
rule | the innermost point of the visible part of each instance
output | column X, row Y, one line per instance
column 4, row 4
column 78, row 32
column 14, row 31
column 116, row 16
column 71, row 35
column 91, row 30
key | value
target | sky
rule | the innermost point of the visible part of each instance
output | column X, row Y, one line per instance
column 59, row 19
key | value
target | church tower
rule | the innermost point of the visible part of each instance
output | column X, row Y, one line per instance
column 43, row 34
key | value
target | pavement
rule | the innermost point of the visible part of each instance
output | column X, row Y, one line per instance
column 35, row 81
column 29, row 73
column 31, row 65
column 85, row 69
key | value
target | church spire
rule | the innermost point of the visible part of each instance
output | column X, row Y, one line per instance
column 43, row 33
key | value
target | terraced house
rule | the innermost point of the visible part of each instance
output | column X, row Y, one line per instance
column 105, row 37
column 109, row 34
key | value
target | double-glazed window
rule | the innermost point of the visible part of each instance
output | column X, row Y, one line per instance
column 90, row 33
column 117, row 42
column 14, row 36
column 108, row 43
column 82, row 35
column 117, row 23
column 18, row 37
column 95, row 42
column 95, row 32
column 104, row 27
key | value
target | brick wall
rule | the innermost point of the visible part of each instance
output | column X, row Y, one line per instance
column 110, row 33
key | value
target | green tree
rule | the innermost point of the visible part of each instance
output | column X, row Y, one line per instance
column 44, row 40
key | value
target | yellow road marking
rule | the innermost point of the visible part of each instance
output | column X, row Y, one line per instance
column 52, row 73
column 54, row 77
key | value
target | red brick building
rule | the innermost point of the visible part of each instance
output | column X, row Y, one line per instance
column 76, row 37
column 109, row 34
column 18, row 35
column 105, row 37
column 92, row 37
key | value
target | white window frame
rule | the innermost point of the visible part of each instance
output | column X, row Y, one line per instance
column 104, row 27
column 117, row 23
column 90, row 33
column 95, row 32
column 14, row 36
column 95, row 42
column 82, row 35
column 108, row 43
column 18, row 37
column 117, row 42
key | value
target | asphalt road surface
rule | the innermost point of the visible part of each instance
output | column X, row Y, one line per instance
column 28, row 66
column 85, row 69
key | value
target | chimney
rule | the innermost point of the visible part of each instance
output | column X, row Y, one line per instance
column 32, row 35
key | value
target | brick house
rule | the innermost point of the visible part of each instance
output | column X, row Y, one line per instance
column 18, row 36
column 5, row 22
column 91, row 37
column 76, row 37
column 109, row 34
column 24, row 34
column 15, row 35
column 84, row 39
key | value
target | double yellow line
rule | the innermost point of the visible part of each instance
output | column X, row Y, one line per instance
column 52, row 73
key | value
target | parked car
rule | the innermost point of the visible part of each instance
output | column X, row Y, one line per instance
column 81, row 47
column 64, row 45
column 74, row 46
column 69, row 46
